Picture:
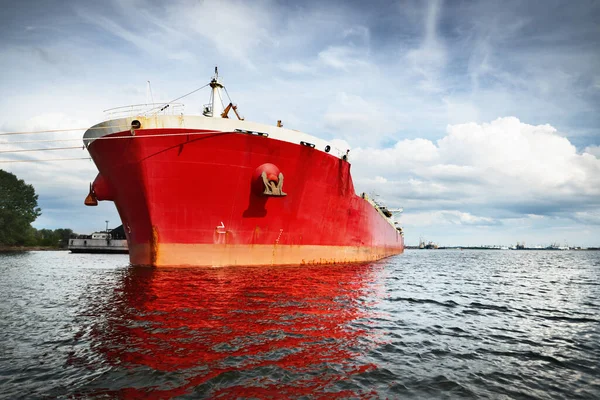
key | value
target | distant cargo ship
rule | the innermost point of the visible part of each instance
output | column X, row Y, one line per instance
column 210, row 190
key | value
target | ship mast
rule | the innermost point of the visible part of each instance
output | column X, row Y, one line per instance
column 216, row 98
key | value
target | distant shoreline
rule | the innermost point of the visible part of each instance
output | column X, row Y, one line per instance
column 496, row 248
column 16, row 249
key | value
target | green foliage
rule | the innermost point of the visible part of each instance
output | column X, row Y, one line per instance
column 18, row 209
column 52, row 238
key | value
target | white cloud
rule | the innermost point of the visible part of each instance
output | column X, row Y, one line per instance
column 593, row 150
column 429, row 59
column 403, row 156
column 359, row 121
column 295, row 67
column 44, row 122
column 140, row 28
column 343, row 57
column 588, row 217
column 505, row 166
column 360, row 32
column 445, row 218
column 235, row 28
column 509, row 149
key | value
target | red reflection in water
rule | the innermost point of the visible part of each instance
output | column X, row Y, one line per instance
column 247, row 331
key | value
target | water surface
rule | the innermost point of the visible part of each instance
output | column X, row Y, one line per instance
column 425, row 324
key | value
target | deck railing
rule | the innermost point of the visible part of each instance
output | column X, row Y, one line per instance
column 146, row 110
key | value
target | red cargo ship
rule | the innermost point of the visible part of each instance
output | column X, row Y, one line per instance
column 210, row 190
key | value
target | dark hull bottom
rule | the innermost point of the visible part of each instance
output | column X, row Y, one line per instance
column 100, row 251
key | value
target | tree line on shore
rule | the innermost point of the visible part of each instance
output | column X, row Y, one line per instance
column 18, row 209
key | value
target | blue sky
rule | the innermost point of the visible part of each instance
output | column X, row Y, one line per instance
column 479, row 118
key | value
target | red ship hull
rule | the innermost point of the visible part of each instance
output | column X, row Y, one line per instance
column 192, row 200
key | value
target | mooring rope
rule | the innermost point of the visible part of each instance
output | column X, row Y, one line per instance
column 90, row 139
column 151, row 136
column 109, row 138
column 45, row 160
column 42, row 141
column 161, row 107
column 46, row 149
column 61, row 130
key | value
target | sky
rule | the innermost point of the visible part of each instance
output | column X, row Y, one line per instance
column 480, row 119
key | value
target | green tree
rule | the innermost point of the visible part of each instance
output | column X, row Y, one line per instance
column 18, row 209
column 63, row 236
column 52, row 238
column 46, row 237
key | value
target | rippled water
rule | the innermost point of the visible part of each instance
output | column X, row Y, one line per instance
column 426, row 324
